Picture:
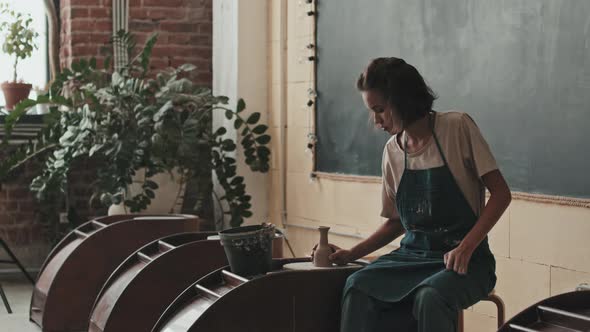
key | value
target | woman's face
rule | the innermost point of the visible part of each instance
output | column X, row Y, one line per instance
column 384, row 115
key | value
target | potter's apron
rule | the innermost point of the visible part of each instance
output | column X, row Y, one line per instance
column 436, row 217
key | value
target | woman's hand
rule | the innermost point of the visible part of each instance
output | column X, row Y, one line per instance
column 333, row 247
column 458, row 259
column 339, row 256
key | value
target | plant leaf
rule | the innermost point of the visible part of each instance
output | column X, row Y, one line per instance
column 187, row 67
column 260, row 129
column 241, row 105
column 151, row 184
column 238, row 123
column 220, row 131
column 263, row 139
column 253, row 118
column 263, row 152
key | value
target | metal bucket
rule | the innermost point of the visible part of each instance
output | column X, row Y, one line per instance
column 249, row 248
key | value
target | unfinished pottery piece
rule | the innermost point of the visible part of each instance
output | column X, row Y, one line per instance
column 323, row 250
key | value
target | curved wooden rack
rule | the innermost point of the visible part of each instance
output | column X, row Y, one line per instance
column 81, row 263
column 150, row 279
column 281, row 300
column 569, row 312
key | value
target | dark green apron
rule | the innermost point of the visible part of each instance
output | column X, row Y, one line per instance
column 436, row 217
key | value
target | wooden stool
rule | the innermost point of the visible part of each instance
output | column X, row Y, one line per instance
column 492, row 297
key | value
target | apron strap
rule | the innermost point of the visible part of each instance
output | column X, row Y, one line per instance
column 442, row 155
column 431, row 121
column 405, row 152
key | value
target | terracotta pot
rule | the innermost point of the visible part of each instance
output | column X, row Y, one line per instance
column 249, row 248
column 15, row 93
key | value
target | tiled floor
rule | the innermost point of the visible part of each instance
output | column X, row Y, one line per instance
column 19, row 297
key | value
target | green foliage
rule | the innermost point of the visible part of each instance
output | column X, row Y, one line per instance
column 127, row 121
column 19, row 37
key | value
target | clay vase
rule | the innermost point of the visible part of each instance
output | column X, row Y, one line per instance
column 323, row 250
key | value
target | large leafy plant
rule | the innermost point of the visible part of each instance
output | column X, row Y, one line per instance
column 19, row 36
column 129, row 119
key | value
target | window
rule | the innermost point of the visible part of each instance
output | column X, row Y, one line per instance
column 33, row 70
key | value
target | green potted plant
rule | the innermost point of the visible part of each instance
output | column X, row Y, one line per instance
column 129, row 121
column 19, row 42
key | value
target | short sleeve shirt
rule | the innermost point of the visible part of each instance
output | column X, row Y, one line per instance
column 468, row 155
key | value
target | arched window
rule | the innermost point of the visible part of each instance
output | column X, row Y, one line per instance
column 33, row 70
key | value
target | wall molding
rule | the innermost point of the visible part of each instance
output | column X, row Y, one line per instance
column 530, row 197
column 357, row 236
column 315, row 228
column 346, row 177
column 550, row 199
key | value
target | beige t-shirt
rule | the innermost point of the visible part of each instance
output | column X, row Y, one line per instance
column 468, row 156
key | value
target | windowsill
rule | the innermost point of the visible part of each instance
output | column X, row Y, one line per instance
column 25, row 130
column 24, row 119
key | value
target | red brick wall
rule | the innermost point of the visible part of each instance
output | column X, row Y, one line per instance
column 184, row 28
column 23, row 223
column 19, row 226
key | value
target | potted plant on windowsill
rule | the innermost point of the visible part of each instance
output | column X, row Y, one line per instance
column 19, row 41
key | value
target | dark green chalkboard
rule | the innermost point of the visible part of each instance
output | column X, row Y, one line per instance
column 520, row 68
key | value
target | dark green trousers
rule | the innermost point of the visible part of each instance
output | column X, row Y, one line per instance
column 425, row 311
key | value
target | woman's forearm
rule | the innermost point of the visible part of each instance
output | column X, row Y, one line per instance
column 490, row 215
column 389, row 231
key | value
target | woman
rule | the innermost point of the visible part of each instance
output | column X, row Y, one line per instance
column 436, row 167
